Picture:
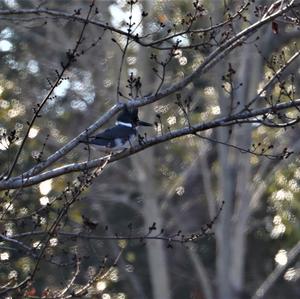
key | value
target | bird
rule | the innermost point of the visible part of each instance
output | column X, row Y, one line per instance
column 121, row 136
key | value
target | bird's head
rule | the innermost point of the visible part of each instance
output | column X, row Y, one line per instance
column 129, row 117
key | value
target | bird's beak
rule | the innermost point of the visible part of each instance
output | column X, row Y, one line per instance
column 143, row 123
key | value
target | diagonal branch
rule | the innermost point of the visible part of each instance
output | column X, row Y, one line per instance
column 129, row 35
column 71, row 59
column 277, row 273
column 238, row 118
column 272, row 80
column 207, row 64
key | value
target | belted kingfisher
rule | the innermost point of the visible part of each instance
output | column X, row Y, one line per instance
column 120, row 136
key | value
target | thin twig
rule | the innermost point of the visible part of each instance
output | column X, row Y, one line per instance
column 71, row 58
column 208, row 63
column 237, row 118
column 76, row 273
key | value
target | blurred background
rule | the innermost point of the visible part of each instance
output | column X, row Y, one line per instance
column 178, row 185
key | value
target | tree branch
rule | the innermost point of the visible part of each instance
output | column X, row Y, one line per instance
column 277, row 273
column 71, row 58
column 139, row 40
column 208, row 63
column 239, row 118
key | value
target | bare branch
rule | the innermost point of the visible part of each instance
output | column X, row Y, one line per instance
column 129, row 35
column 71, row 282
column 272, row 80
column 238, row 118
column 17, row 286
column 71, row 58
column 277, row 273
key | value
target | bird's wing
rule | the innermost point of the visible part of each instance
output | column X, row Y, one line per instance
column 116, row 132
column 107, row 137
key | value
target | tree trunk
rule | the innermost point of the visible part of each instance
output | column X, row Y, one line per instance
column 145, row 170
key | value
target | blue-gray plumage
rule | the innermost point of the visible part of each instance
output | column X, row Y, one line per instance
column 121, row 136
